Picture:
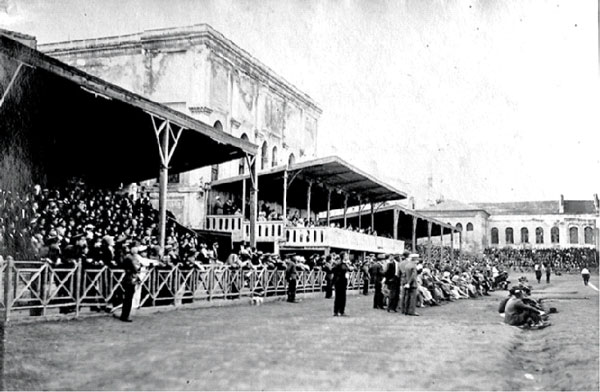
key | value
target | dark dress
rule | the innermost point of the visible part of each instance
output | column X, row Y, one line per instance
column 339, row 283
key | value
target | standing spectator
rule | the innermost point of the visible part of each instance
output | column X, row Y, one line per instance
column 131, row 265
column 340, row 282
column 585, row 274
column 409, row 285
column 548, row 272
column 376, row 274
column 290, row 276
column 538, row 271
column 328, row 269
column 365, row 275
column 392, row 281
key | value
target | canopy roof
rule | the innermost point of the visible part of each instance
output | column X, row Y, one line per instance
column 384, row 220
column 64, row 122
column 328, row 173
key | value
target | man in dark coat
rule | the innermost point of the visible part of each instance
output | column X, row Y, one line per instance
column 364, row 269
column 392, row 280
column 376, row 274
column 291, row 275
column 131, row 265
column 340, row 282
column 409, row 285
column 328, row 269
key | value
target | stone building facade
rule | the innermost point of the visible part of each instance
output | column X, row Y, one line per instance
column 526, row 225
column 197, row 71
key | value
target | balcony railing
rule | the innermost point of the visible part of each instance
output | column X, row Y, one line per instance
column 298, row 237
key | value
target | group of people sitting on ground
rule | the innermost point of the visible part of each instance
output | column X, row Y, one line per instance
column 520, row 309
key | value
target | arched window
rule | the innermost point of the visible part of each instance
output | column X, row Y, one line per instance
column 588, row 234
column 264, row 153
column 218, row 126
column 242, row 166
column 469, row 226
column 509, row 235
column 291, row 159
column 554, row 235
column 539, row 235
column 459, row 227
column 274, row 156
column 494, row 236
column 524, row 235
column 574, row 235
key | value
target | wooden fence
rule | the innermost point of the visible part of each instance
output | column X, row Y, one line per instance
column 37, row 288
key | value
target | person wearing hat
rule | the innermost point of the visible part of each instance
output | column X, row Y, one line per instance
column 290, row 276
column 364, row 269
column 409, row 285
column 328, row 269
column 392, row 281
column 340, row 282
column 376, row 274
column 517, row 313
column 132, row 267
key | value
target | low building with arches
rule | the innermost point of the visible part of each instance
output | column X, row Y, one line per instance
column 524, row 225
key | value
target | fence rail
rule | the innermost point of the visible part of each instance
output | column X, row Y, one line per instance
column 38, row 288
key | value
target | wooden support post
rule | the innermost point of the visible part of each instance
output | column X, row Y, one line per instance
column 429, row 227
column 308, row 194
column 396, row 220
column 359, row 213
column 162, row 195
column 345, row 210
column 441, row 244
column 414, row 234
column 372, row 217
column 284, row 201
column 243, row 201
column 328, row 207
column 253, row 200
column 452, row 245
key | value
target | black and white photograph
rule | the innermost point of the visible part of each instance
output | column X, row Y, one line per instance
column 314, row 195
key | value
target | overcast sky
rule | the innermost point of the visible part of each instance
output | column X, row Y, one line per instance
column 496, row 100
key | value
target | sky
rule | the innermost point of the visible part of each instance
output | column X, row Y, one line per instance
column 494, row 100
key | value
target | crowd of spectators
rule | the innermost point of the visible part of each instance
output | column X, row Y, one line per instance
column 78, row 223
column 563, row 260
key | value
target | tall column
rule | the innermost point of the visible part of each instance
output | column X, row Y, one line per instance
column 452, row 245
column 162, row 195
column 396, row 219
column 372, row 217
column 253, row 200
column 441, row 244
column 284, row 201
column 460, row 243
column 345, row 210
column 359, row 213
column 429, row 227
column 243, row 201
column 308, row 193
column 328, row 207
column 414, row 234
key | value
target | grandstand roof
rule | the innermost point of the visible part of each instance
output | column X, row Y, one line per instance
column 70, row 123
column 329, row 172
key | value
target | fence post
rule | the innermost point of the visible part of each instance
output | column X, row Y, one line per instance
column 211, row 282
column 7, row 290
column 78, row 276
column 45, row 287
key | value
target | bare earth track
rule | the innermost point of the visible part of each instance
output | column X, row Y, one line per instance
column 460, row 346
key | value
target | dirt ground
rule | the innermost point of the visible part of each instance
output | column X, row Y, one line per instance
column 459, row 346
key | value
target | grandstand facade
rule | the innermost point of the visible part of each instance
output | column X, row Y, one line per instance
column 197, row 71
column 523, row 225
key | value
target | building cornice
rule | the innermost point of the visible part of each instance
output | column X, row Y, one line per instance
column 202, row 33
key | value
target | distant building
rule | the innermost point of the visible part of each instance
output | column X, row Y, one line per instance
column 199, row 72
column 531, row 224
